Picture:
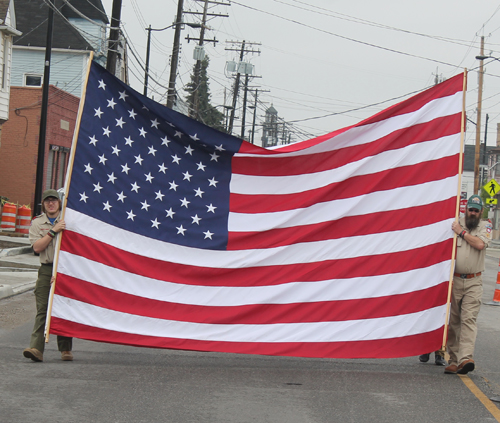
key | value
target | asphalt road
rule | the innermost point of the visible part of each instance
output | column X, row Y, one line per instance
column 112, row 383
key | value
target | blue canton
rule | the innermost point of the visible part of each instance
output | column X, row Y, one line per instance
column 145, row 168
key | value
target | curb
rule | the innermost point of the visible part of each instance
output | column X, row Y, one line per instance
column 6, row 252
column 7, row 291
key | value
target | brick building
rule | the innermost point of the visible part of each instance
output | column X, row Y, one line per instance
column 20, row 134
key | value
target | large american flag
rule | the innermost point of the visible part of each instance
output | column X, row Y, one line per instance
column 179, row 236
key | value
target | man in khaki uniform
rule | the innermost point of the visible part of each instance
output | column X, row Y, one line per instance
column 474, row 236
column 43, row 231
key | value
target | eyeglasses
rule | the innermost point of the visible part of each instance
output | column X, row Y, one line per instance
column 51, row 200
column 474, row 211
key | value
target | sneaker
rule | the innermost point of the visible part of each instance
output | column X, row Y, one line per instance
column 33, row 353
column 424, row 358
column 66, row 356
column 440, row 361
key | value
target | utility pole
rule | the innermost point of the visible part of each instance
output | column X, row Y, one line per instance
column 483, row 179
column 245, row 94
column 235, row 92
column 255, row 112
column 197, row 68
column 238, row 77
column 254, row 115
column 175, row 55
column 478, row 120
column 37, row 209
column 178, row 24
column 194, row 113
column 146, row 70
column 114, row 35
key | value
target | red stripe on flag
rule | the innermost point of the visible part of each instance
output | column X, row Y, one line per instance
column 355, row 186
column 255, row 276
column 381, row 348
column 447, row 88
column 312, row 163
column 393, row 220
column 256, row 314
column 247, row 148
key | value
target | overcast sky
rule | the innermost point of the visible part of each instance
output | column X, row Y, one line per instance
column 319, row 57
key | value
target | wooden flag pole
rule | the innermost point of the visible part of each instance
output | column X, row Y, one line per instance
column 65, row 200
column 457, row 210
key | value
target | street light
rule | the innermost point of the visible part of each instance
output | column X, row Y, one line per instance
column 226, row 114
column 175, row 56
column 487, row 57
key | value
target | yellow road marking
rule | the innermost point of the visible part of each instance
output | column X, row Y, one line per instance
column 492, row 408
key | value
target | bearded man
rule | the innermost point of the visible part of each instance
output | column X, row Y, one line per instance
column 474, row 236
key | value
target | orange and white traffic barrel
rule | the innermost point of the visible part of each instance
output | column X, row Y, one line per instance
column 8, row 222
column 23, row 220
column 496, row 295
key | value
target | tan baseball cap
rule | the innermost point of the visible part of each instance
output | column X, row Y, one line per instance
column 50, row 193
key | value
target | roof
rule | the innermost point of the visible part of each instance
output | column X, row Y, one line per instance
column 92, row 9
column 469, row 155
column 4, row 7
column 271, row 110
column 31, row 17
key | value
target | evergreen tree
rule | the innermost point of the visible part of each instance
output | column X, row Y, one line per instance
column 207, row 113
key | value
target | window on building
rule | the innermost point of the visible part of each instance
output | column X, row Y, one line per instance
column 5, row 57
column 32, row 80
column 56, row 167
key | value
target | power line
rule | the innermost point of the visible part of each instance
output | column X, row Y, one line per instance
column 344, row 37
column 358, row 108
column 337, row 15
column 82, row 15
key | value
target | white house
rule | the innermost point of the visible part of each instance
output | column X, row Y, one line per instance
column 79, row 27
column 7, row 32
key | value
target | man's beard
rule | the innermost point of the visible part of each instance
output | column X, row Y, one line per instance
column 472, row 221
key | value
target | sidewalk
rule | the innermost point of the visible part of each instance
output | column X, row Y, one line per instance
column 18, row 265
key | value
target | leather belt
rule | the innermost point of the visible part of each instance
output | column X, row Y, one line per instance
column 467, row 275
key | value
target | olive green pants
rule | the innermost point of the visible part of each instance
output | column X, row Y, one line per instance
column 42, row 292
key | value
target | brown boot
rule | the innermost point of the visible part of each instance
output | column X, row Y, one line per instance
column 33, row 353
column 466, row 367
column 451, row 369
column 66, row 356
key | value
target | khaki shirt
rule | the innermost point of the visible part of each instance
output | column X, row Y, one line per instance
column 38, row 229
column 470, row 260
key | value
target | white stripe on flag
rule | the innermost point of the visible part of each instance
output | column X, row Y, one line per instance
column 221, row 296
column 335, row 249
column 392, row 159
column 354, row 330
column 379, row 201
column 365, row 134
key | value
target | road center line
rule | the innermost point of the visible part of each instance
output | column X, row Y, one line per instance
column 492, row 408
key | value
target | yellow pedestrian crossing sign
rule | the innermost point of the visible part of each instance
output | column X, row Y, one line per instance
column 491, row 201
column 492, row 188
